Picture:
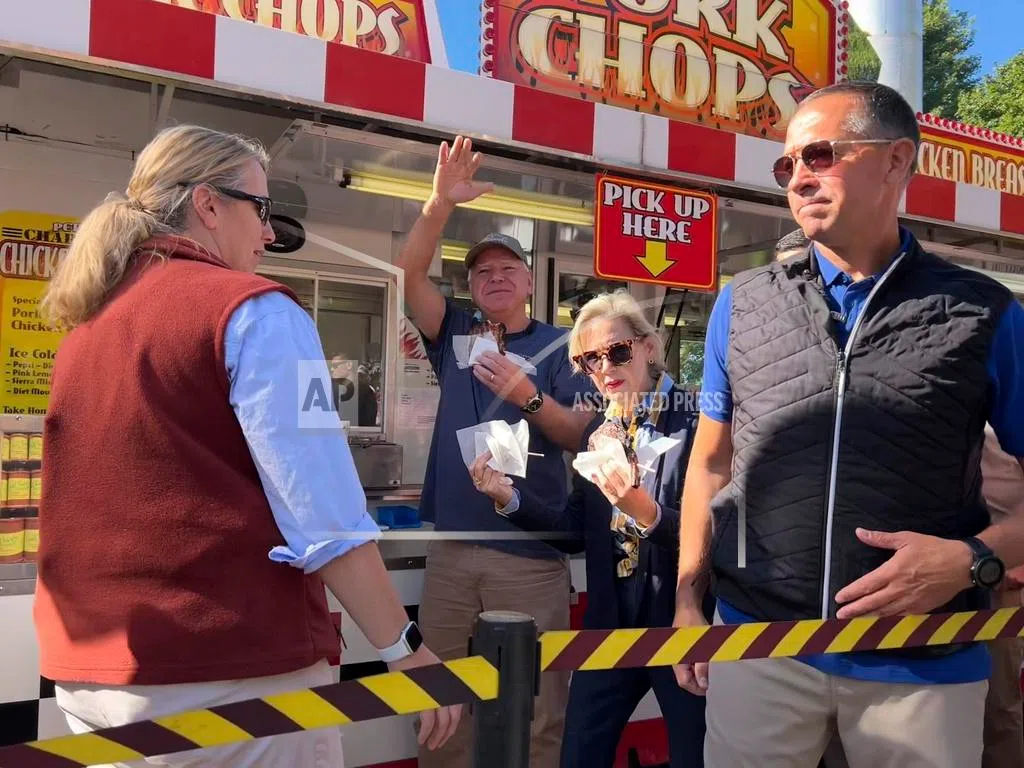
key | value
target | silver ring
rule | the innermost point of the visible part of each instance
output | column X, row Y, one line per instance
column 492, row 375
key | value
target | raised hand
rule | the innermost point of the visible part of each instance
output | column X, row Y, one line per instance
column 453, row 176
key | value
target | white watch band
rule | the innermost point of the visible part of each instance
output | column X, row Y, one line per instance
column 399, row 650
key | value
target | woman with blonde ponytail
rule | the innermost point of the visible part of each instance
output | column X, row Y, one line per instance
column 97, row 258
column 153, row 204
column 189, row 527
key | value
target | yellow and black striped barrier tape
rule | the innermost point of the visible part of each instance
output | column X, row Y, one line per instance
column 475, row 679
column 394, row 693
column 626, row 648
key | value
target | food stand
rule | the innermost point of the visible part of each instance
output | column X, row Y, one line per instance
column 352, row 98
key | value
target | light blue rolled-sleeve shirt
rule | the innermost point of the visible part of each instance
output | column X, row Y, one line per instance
column 309, row 476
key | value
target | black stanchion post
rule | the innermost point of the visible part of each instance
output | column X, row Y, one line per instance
column 501, row 728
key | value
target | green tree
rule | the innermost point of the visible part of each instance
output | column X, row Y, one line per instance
column 691, row 364
column 949, row 68
column 998, row 102
column 863, row 63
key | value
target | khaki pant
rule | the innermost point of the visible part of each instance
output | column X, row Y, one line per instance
column 782, row 713
column 91, row 707
column 1004, row 717
column 460, row 581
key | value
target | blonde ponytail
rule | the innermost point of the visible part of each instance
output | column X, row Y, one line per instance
column 96, row 260
column 167, row 170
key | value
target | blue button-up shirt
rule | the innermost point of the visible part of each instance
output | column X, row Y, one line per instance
column 309, row 476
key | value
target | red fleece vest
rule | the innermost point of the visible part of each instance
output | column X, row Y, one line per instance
column 155, row 530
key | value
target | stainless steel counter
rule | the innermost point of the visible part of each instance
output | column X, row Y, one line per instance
column 400, row 553
column 17, row 579
column 402, row 549
column 406, row 493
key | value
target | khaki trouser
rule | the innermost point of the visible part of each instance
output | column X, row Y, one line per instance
column 1004, row 707
column 782, row 713
column 1004, row 717
column 463, row 579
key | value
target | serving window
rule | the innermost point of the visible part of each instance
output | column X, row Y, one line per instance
column 350, row 313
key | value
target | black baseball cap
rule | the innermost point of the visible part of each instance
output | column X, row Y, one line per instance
column 496, row 240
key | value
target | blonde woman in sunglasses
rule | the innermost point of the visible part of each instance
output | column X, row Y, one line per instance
column 627, row 522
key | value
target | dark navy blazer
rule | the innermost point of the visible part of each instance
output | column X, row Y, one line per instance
column 647, row 597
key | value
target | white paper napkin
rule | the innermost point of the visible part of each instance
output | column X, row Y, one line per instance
column 607, row 448
column 468, row 349
column 509, row 446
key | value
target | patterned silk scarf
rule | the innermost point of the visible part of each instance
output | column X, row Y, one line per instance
column 638, row 427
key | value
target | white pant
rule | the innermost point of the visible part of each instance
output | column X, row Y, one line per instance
column 91, row 707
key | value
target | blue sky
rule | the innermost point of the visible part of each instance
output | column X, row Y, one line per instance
column 460, row 20
column 996, row 27
column 995, row 33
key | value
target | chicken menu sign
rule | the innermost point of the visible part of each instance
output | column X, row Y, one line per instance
column 32, row 246
column 739, row 65
column 651, row 233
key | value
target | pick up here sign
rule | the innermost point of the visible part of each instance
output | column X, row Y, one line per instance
column 656, row 234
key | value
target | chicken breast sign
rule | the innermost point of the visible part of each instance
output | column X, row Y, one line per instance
column 651, row 233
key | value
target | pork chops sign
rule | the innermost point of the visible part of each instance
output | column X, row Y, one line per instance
column 394, row 27
column 651, row 233
column 740, row 65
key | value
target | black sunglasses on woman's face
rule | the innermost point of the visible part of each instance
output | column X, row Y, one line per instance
column 263, row 204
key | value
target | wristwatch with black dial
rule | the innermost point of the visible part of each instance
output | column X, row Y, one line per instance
column 987, row 570
column 534, row 403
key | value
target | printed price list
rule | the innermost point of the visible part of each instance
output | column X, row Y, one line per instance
column 27, row 348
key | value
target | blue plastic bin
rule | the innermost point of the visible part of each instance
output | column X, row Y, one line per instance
column 399, row 516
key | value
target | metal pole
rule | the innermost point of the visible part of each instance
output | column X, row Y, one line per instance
column 501, row 728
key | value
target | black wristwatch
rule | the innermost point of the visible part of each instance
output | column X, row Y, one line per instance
column 987, row 570
column 534, row 403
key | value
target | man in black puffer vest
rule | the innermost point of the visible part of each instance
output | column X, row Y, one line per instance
column 836, row 465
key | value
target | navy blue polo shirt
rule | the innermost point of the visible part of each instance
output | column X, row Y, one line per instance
column 449, row 499
column 1006, row 369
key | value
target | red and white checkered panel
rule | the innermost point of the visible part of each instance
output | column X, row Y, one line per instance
column 157, row 36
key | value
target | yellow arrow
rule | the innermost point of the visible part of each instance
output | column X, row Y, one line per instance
column 655, row 258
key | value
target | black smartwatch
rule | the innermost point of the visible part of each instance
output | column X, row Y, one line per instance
column 534, row 403
column 987, row 570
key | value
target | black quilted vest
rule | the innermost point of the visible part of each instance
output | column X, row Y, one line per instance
column 915, row 399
